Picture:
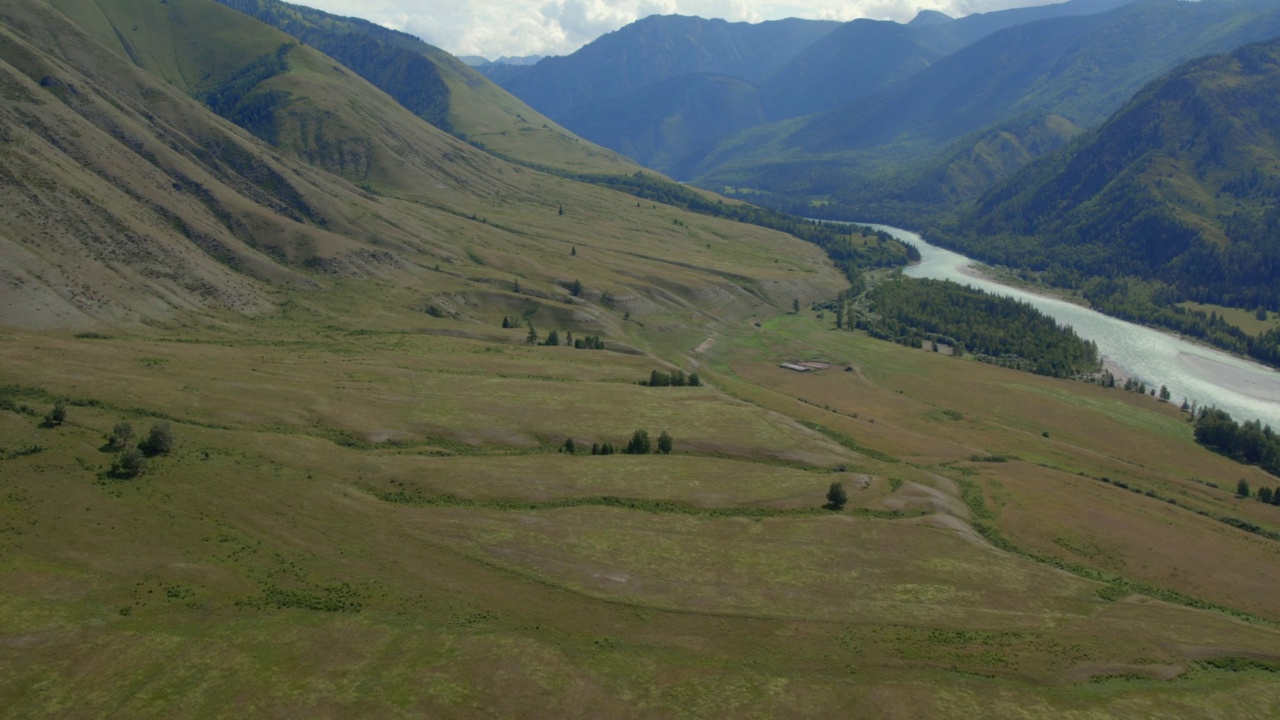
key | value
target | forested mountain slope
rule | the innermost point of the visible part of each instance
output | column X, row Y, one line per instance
column 1180, row 186
column 666, row 122
column 857, row 59
column 971, row 118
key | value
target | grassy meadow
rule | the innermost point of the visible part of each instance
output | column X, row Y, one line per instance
column 379, row 521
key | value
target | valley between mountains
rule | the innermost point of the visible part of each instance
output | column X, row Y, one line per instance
column 341, row 381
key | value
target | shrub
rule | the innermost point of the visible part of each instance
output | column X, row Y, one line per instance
column 121, row 436
column 57, row 415
column 128, row 464
column 664, row 443
column 836, row 496
column 159, row 441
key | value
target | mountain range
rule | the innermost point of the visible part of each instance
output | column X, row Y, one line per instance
column 877, row 119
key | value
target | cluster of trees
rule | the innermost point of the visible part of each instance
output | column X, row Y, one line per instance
column 1108, row 380
column 1151, row 302
column 996, row 329
column 640, row 444
column 675, row 378
column 589, row 342
column 129, row 462
column 234, row 99
column 131, row 459
column 1251, row 442
column 1265, row 494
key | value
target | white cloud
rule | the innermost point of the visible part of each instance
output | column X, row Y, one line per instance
column 493, row 28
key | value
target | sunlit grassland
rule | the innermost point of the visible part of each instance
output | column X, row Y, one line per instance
column 412, row 391
column 1067, row 435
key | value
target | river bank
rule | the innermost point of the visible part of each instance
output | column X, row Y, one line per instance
column 1200, row 374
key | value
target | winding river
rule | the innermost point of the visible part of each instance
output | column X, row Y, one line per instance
column 1203, row 375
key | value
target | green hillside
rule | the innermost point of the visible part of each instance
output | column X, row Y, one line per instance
column 437, row 87
column 312, row 421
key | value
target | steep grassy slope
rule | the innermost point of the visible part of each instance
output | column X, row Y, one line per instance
column 368, row 510
column 428, row 81
column 150, row 175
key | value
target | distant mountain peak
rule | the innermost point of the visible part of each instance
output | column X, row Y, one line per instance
column 477, row 61
column 930, row 17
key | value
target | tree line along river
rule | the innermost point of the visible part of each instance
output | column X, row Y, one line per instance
column 1200, row 374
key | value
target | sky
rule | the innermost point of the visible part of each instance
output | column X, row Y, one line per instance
column 494, row 28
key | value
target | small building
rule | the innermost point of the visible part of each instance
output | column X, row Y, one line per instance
column 793, row 366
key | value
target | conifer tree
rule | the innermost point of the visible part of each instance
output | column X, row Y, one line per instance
column 664, row 443
column 836, row 496
column 640, row 443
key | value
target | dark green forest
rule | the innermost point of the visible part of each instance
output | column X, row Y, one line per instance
column 1251, row 443
column 235, row 99
column 994, row 329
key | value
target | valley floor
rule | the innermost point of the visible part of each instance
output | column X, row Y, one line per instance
column 382, row 523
